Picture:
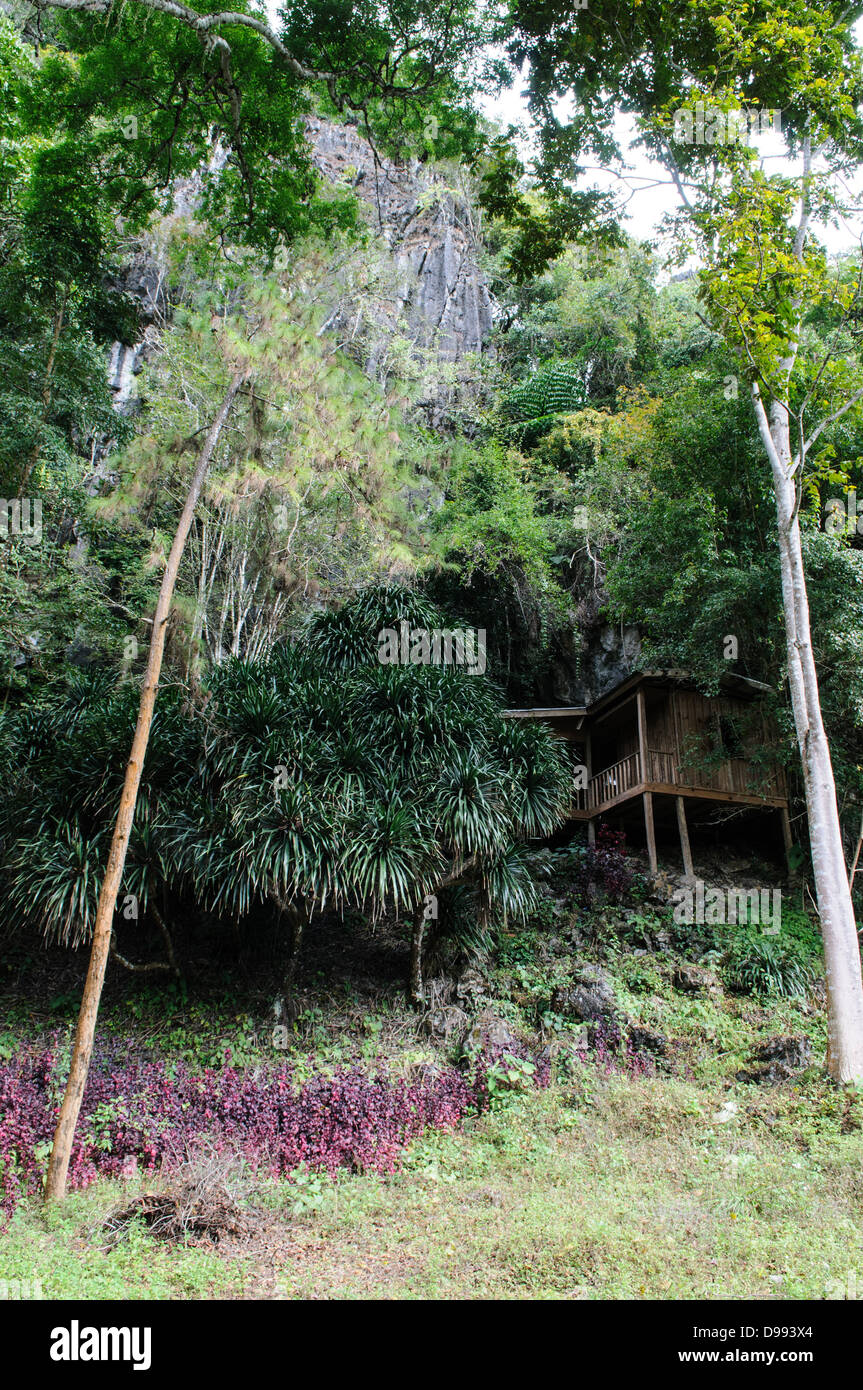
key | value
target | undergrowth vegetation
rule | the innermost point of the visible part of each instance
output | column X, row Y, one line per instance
column 575, row 1098
column 143, row 1116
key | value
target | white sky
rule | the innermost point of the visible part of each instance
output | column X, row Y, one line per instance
column 647, row 203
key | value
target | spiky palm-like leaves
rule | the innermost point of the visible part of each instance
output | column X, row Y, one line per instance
column 348, row 637
column 389, row 855
column 539, row 777
column 305, row 779
column 469, row 802
column 54, row 874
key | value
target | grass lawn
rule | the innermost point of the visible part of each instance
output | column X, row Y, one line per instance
column 669, row 1179
column 607, row 1187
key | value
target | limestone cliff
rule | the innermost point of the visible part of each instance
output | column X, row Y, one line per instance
column 441, row 293
column 436, row 293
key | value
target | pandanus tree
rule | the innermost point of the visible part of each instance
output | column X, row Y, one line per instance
column 316, row 779
column 158, row 89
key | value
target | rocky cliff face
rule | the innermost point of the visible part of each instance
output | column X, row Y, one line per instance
column 443, row 301
column 441, row 293
column 612, row 653
column 145, row 280
column 608, row 654
column 436, row 294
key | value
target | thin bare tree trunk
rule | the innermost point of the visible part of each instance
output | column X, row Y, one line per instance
column 853, row 872
column 55, row 1185
column 416, row 989
column 166, row 937
column 299, row 921
column 417, row 992
column 137, row 967
column 838, row 927
column 297, row 913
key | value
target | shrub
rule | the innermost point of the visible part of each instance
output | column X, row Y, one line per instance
column 318, row 777
column 554, row 390
column 600, row 869
column 152, row 1115
column 759, row 964
column 640, row 975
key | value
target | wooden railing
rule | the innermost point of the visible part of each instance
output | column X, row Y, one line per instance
column 611, row 784
column 662, row 767
column 615, row 782
column 736, row 776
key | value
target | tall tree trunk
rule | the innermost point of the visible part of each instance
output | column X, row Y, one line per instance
column 299, row 920
column 841, row 947
column 416, row 973
column 55, row 1185
column 47, row 391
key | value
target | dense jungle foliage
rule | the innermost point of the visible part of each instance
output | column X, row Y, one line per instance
column 361, row 962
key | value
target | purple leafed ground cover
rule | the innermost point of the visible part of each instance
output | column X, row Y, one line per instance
column 147, row 1114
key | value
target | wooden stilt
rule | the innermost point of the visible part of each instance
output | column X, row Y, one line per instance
column 684, row 838
column 648, row 826
column 788, row 839
column 644, row 771
column 588, row 762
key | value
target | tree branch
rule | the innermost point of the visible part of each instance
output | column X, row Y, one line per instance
column 837, row 415
column 204, row 26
